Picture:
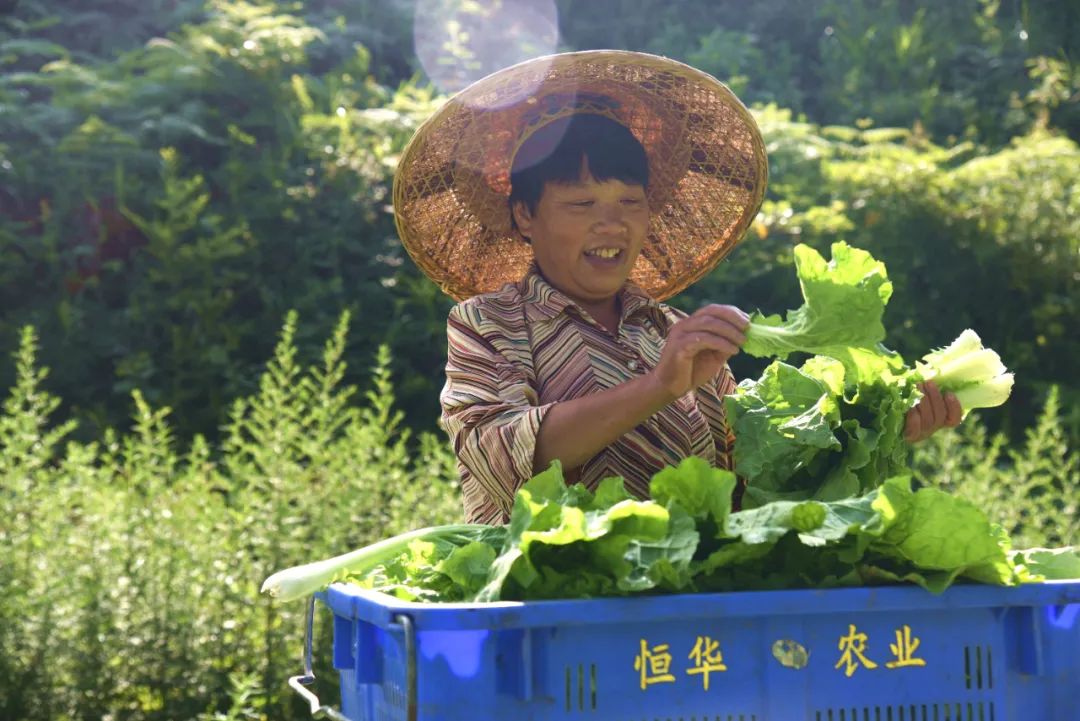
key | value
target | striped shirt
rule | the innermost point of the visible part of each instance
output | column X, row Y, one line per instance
column 513, row 353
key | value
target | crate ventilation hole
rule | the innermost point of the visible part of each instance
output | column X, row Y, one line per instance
column 978, row 668
column 581, row 696
column 915, row 712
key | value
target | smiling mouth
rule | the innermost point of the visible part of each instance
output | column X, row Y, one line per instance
column 605, row 253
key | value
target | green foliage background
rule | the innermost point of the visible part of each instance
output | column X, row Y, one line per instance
column 189, row 188
column 176, row 176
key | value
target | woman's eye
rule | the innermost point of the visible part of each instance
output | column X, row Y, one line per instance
column 632, row 201
column 582, row 203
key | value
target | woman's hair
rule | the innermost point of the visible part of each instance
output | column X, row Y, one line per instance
column 554, row 154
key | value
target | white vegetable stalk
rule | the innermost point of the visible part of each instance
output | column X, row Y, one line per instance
column 988, row 394
column 304, row 580
column 975, row 375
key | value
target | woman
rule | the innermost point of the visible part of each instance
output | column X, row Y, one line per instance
column 561, row 200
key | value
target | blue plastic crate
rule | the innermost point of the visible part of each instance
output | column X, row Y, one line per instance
column 974, row 653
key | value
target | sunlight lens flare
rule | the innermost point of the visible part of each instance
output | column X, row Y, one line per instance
column 461, row 41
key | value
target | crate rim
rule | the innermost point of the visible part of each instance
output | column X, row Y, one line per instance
column 381, row 609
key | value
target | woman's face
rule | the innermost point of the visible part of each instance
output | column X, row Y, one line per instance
column 586, row 235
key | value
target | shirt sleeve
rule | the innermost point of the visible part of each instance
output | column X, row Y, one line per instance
column 489, row 408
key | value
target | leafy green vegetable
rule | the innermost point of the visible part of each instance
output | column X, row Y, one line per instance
column 934, row 530
column 773, row 546
column 844, row 300
column 804, row 434
column 781, row 422
column 565, row 542
column 705, row 491
column 604, row 544
column 807, row 517
column 833, row 428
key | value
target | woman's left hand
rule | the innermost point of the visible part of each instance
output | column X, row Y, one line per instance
column 933, row 412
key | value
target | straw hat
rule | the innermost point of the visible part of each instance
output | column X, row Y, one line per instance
column 707, row 167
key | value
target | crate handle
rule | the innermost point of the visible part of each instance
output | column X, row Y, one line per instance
column 410, row 665
column 318, row 709
column 297, row 683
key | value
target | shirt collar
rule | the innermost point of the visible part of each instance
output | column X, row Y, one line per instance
column 545, row 302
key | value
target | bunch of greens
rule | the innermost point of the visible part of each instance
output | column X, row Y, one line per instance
column 566, row 542
column 828, row 501
column 832, row 427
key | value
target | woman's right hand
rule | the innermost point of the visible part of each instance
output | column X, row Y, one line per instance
column 698, row 346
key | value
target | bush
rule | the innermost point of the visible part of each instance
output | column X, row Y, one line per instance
column 1032, row 491
column 162, row 210
column 132, row 567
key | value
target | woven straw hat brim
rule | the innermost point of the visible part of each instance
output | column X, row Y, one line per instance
column 707, row 165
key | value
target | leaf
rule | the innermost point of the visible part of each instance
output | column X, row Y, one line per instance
column 29, row 46
column 703, row 490
column 843, row 302
column 930, row 530
column 467, row 567
column 781, row 422
column 1055, row 564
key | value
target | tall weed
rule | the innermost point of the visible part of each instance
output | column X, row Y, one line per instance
column 1032, row 490
column 129, row 584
